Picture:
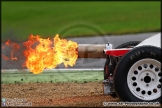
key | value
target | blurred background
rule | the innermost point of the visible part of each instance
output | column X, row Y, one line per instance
column 78, row 19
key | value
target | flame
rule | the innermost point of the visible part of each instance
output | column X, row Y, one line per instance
column 46, row 56
column 14, row 47
column 66, row 51
column 5, row 57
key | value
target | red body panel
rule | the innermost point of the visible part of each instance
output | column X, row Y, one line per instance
column 117, row 52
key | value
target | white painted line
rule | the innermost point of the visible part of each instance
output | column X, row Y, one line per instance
column 54, row 70
column 82, row 69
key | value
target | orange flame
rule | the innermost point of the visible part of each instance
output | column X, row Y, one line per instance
column 14, row 47
column 46, row 56
column 5, row 57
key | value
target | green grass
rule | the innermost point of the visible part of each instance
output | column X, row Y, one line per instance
column 19, row 19
column 26, row 77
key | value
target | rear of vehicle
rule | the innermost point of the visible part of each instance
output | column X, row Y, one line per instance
column 133, row 71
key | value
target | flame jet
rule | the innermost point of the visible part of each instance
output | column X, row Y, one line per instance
column 47, row 55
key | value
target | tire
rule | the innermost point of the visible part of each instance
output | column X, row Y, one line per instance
column 112, row 66
column 137, row 77
column 128, row 44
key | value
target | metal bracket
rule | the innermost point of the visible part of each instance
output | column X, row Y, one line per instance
column 109, row 46
column 108, row 86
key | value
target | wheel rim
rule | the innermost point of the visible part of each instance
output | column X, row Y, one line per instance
column 144, row 79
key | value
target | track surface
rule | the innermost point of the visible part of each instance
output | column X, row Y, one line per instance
column 59, row 94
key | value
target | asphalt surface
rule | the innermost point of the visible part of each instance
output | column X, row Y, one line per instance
column 84, row 63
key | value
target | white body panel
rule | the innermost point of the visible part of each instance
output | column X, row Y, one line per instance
column 154, row 40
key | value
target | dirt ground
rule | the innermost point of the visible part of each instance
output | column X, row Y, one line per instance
column 59, row 94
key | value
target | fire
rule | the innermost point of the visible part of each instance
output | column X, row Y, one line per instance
column 47, row 56
column 14, row 47
column 66, row 51
column 5, row 57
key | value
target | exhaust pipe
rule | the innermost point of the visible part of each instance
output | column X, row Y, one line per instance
column 93, row 50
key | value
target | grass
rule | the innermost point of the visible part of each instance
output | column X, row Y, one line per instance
column 72, row 19
column 26, row 77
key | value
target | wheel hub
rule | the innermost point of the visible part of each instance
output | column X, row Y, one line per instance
column 147, row 79
column 144, row 79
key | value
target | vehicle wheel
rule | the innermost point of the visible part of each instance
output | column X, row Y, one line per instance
column 112, row 66
column 137, row 77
